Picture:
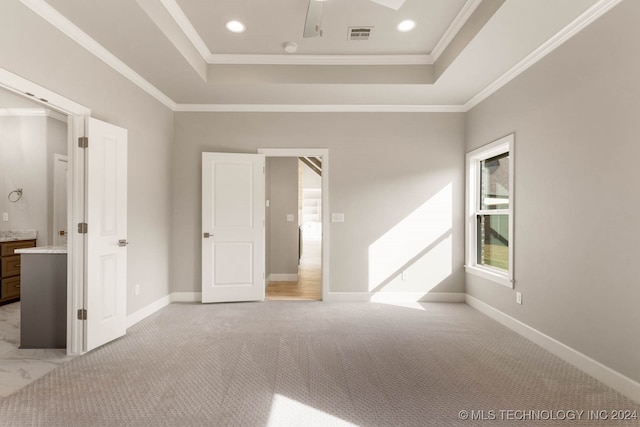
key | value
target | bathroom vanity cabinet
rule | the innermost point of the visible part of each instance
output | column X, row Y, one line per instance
column 10, row 267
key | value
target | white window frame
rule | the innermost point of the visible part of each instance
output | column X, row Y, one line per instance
column 502, row 145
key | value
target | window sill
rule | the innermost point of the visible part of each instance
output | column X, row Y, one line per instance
column 501, row 279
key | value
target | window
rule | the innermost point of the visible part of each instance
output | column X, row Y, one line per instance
column 489, row 236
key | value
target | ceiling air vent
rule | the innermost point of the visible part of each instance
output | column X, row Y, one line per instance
column 359, row 33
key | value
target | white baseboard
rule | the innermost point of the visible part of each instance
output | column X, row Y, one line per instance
column 602, row 373
column 186, row 297
column 282, row 277
column 148, row 310
column 395, row 297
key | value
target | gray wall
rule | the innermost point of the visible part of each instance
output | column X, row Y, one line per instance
column 57, row 143
column 575, row 118
column 383, row 169
column 36, row 51
column 283, row 195
column 27, row 147
column 23, row 156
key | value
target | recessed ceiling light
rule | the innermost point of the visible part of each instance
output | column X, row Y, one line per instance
column 407, row 25
column 235, row 26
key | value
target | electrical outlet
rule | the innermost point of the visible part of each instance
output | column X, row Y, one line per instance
column 136, row 289
column 519, row 297
column 5, row 216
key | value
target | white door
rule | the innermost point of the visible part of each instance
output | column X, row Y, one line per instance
column 232, row 227
column 60, row 172
column 106, row 214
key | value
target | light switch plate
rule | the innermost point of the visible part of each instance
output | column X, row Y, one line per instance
column 5, row 216
column 337, row 217
column 290, row 217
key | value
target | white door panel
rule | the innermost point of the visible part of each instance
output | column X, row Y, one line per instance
column 105, row 297
column 232, row 203
column 233, row 227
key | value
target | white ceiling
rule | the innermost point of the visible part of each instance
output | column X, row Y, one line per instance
column 270, row 23
column 181, row 53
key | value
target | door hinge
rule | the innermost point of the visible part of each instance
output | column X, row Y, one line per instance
column 83, row 228
column 83, row 142
column 82, row 314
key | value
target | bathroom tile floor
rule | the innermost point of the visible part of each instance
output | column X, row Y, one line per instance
column 19, row 367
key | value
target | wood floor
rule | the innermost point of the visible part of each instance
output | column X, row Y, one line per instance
column 308, row 287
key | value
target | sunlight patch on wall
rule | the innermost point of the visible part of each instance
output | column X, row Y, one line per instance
column 289, row 412
column 420, row 244
column 424, row 273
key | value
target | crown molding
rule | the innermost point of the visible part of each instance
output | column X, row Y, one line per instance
column 255, row 59
column 166, row 23
column 187, row 27
column 577, row 25
column 55, row 18
column 456, row 25
column 314, row 108
column 49, row 14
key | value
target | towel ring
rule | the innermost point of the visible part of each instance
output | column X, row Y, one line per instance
column 17, row 197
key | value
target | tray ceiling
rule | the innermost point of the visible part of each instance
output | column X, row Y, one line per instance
column 181, row 53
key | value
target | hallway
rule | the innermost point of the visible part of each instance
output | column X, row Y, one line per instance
column 308, row 287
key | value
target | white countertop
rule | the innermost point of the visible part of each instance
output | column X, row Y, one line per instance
column 13, row 235
column 43, row 250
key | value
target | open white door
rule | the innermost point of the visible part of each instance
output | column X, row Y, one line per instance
column 232, row 227
column 106, row 268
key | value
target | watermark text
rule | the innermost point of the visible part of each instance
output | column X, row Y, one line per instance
column 549, row 414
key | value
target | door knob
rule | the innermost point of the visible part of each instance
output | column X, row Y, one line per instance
column 207, row 235
column 122, row 242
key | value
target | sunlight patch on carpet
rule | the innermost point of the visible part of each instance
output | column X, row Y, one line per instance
column 288, row 412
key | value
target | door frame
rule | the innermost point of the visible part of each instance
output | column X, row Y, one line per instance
column 323, row 153
column 76, row 117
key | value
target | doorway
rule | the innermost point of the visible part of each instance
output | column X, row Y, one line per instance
column 302, row 216
column 33, row 203
column 88, row 170
column 293, row 228
column 33, row 139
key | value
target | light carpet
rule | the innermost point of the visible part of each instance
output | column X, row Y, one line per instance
column 314, row 363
